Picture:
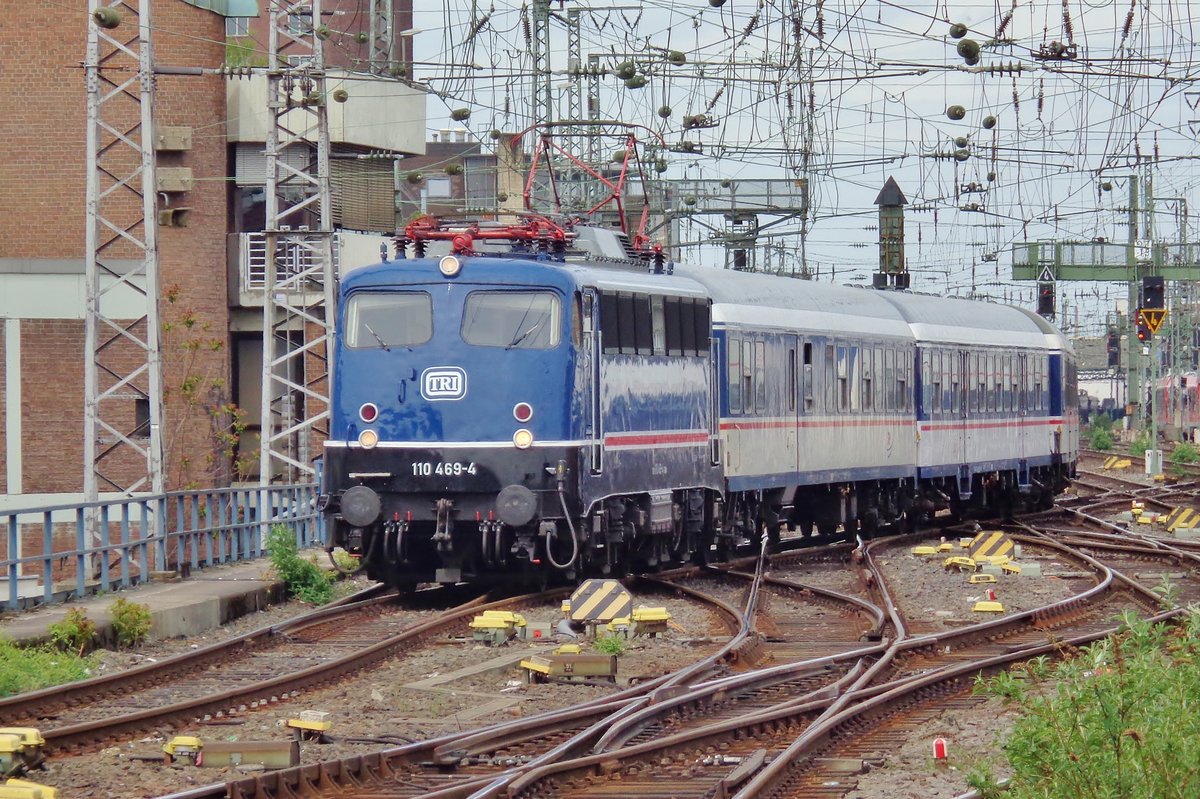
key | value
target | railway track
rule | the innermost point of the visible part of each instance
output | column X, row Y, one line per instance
column 812, row 673
column 232, row 677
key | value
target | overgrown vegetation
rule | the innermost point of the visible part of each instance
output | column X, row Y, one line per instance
column 74, row 633
column 1185, row 452
column 610, row 645
column 1121, row 721
column 241, row 51
column 1100, row 433
column 131, row 622
column 1139, row 445
column 305, row 580
column 30, row 668
column 197, row 396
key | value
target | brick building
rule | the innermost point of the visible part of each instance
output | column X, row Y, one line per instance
column 211, row 313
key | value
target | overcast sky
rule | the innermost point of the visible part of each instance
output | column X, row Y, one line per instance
column 867, row 85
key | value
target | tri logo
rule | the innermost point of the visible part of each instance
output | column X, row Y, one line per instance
column 443, row 383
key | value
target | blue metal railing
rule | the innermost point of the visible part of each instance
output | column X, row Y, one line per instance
column 102, row 546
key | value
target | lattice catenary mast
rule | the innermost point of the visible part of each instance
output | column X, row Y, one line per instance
column 122, row 359
column 298, row 301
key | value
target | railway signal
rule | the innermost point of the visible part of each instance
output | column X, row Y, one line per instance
column 1144, row 334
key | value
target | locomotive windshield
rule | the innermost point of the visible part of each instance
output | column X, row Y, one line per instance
column 512, row 319
column 388, row 319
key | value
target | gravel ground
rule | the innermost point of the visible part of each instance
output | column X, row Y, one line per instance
column 932, row 598
column 461, row 684
column 453, row 685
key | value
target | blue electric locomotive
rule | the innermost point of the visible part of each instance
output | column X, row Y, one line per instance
column 557, row 406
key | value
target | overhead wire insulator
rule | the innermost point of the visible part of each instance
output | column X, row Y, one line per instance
column 107, row 17
column 1068, row 28
column 1003, row 24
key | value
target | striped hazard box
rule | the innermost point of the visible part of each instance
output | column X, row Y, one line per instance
column 1182, row 519
column 600, row 601
column 990, row 544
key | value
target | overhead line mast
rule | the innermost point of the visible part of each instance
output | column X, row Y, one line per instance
column 298, row 301
column 122, row 358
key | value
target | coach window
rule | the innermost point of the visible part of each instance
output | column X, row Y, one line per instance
column 903, row 382
column 830, row 384
column 760, row 376
column 843, row 381
column 1014, row 377
column 388, row 319
column 939, row 381
column 734, row 369
column 868, row 378
column 791, row 385
column 748, row 375
column 957, row 403
column 807, row 390
column 998, row 381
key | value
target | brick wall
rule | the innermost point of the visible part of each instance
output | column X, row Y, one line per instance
column 43, row 171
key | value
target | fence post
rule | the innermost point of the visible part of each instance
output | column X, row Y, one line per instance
column 13, row 565
column 47, row 557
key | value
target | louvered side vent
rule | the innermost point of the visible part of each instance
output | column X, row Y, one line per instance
column 630, row 253
column 363, row 195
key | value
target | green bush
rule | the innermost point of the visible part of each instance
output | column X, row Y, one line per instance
column 30, row 668
column 1185, row 452
column 305, row 580
column 610, row 645
column 1100, row 438
column 74, row 633
column 1118, row 719
column 131, row 622
column 1138, row 447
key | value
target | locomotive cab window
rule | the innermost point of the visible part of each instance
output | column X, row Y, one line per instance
column 528, row 320
column 383, row 319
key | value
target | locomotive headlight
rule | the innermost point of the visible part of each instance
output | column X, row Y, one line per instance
column 522, row 439
column 449, row 265
column 367, row 439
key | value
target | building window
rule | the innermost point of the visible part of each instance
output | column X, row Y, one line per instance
column 437, row 187
column 299, row 24
column 237, row 26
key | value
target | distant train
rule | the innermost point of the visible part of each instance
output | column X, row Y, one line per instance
column 1177, row 400
column 552, row 405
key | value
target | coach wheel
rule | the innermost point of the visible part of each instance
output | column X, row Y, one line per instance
column 827, row 527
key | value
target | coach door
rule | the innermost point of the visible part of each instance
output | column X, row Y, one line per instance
column 793, row 397
column 964, row 379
